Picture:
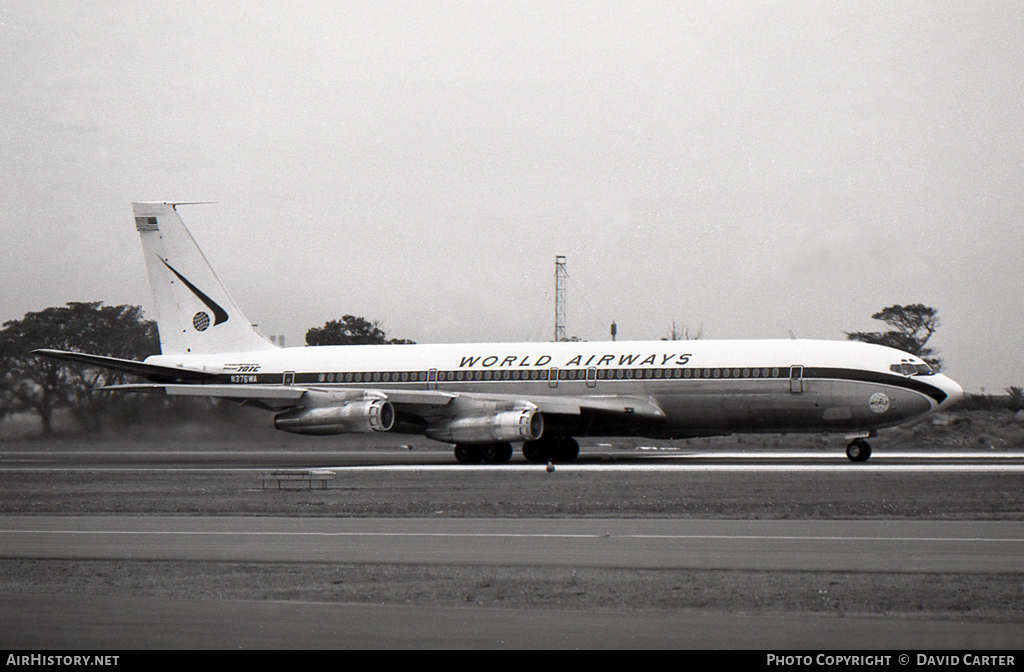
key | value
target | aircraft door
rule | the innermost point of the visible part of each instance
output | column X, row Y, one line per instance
column 796, row 379
column 553, row 377
column 289, row 378
column 592, row 377
column 432, row 379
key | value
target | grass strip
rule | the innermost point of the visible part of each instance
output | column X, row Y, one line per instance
column 889, row 595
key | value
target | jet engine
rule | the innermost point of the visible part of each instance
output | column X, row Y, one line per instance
column 367, row 415
column 517, row 425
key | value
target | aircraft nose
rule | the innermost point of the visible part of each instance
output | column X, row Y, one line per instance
column 954, row 392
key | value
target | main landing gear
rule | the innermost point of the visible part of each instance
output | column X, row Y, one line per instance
column 858, row 451
column 551, row 449
column 489, row 453
column 545, row 449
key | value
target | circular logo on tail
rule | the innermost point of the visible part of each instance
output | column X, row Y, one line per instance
column 201, row 321
column 878, row 402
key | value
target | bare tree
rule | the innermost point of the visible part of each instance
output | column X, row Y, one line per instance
column 682, row 333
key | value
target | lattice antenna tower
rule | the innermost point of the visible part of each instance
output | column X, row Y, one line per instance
column 561, row 275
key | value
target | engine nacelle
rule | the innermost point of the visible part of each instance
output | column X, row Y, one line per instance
column 519, row 425
column 368, row 415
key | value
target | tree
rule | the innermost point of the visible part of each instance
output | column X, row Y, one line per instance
column 682, row 333
column 1015, row 398
column 33, row 383
column 910, row 328
column 351, row 330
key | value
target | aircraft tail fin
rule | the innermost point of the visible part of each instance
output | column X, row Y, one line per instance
column 195, row 314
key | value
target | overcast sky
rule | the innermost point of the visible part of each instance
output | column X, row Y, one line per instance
column 752, row 168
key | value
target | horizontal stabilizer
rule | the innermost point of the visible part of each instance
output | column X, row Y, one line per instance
column 151, row 371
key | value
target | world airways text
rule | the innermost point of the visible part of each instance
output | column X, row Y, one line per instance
column 659, row 359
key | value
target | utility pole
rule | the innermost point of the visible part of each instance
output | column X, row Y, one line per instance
column 560, row 277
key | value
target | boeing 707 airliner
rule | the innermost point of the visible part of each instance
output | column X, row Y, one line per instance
column 485, row 397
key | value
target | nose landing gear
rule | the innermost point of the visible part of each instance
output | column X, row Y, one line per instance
column 858, row 451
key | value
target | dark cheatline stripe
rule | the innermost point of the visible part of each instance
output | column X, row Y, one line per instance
column 879, row 378
column 894, row 380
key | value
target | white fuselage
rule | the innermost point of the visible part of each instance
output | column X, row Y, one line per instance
column 703, row 387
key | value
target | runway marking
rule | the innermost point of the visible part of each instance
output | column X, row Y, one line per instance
column 233, row 453
column 665, row 453
column 841, row 467
column 834, row 455
column 519, row 535
column 844, row 467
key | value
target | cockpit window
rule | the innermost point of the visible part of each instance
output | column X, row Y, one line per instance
column 909, row 369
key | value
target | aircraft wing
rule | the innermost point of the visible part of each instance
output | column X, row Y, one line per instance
column 424, row 403
column 272, row 393
column 295, row 393
column 638, row 408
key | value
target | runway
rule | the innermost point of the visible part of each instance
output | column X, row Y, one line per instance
column 828, row 531
column 594, row 459
column 889, row 546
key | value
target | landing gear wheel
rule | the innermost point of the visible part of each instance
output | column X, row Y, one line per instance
column 858, row 451
column 496, row 453
column 553, row 449
column 469, row 453
column 537, row 451
column 565, row 449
